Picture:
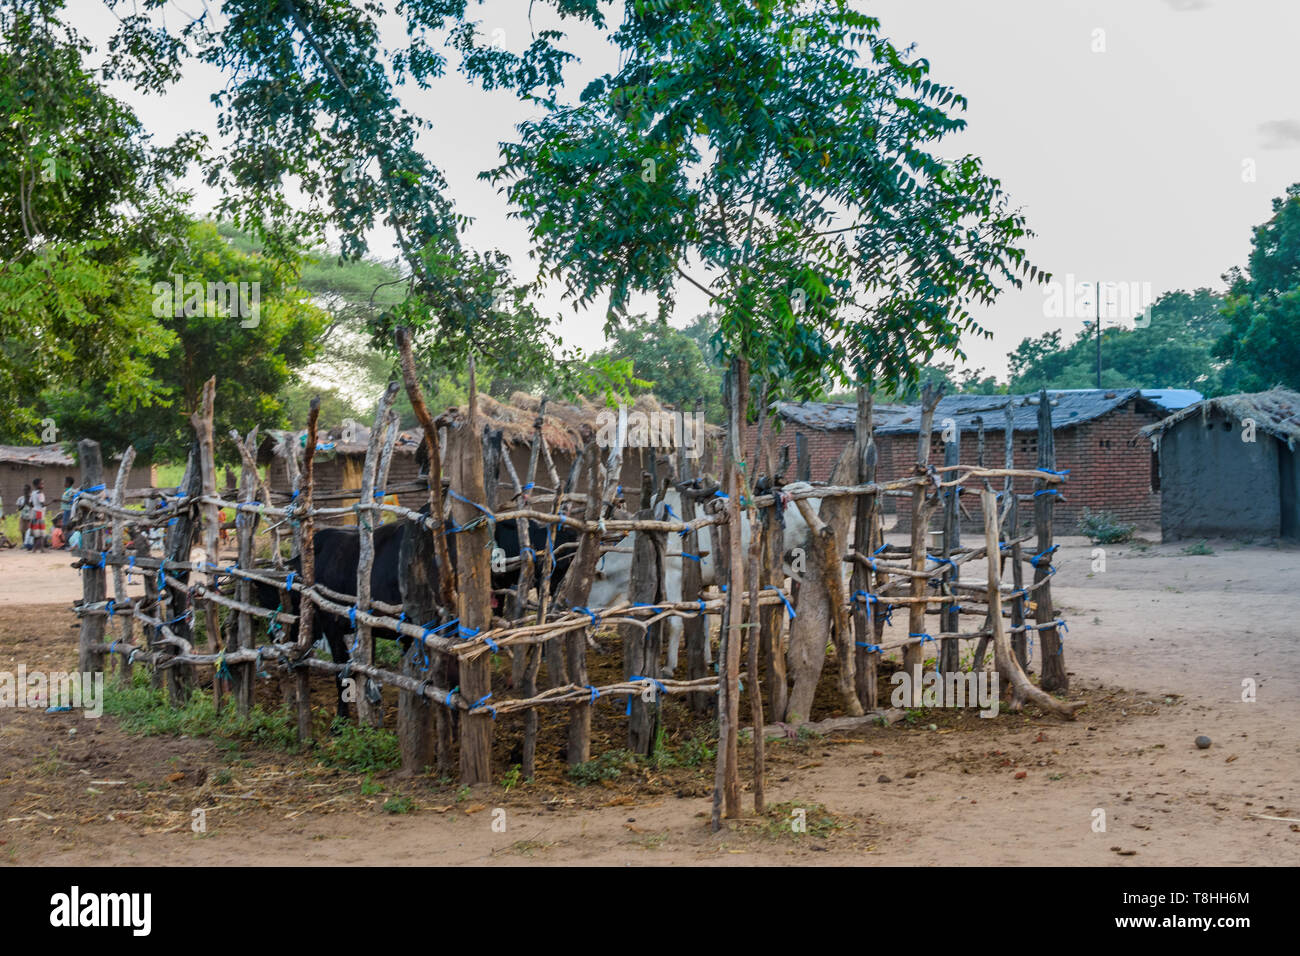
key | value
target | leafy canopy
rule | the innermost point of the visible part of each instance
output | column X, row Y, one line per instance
column 778, row 157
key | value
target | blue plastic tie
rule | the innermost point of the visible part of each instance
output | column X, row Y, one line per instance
column 784, row 600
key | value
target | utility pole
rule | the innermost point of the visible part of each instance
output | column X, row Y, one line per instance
column 1099, row 333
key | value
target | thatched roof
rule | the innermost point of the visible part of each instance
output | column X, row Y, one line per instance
column 560, row 428
column 41, row 456
column 1276, row 412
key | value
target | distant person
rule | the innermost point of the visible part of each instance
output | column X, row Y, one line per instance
column 69, row 495
column 58, row 540
column 37, row 526
column 25, row 517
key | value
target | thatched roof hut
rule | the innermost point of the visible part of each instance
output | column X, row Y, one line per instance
column 1228, row 466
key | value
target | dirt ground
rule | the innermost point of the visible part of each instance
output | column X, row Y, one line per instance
column 1159, row 645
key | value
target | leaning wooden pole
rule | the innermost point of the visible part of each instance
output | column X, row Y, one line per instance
column 726, row 786
column 1007, row 665
column 949, row 661
column 577, row 589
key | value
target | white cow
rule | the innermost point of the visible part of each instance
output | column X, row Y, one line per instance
column 612, row 587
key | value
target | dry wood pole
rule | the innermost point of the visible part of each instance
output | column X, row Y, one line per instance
column 1054, row 676
column 473, row 562
column 641, row 644
column 1012, row 532
column 369, row 703
column 117, row 545
column 949, row 661
column 754, row 638
column 527, row 661
column 914, row 654
column 772, row 618
column 93, row 582
column 201, row 420
column 245, row 526
column 446, row 596
column 577, row 588
column 175, row 608
column 1007, row 665
column 726, row 782
column 695, row 630
column 305, row 532
column 553, row 652
column 864, row 542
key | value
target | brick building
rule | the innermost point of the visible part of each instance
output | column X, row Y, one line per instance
column 1096, row 434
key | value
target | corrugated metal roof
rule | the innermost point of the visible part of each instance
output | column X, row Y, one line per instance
column 1070, row 407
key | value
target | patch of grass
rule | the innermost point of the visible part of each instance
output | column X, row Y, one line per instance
column 607, row 766
column 360, row 749
column 1102, row 527
column 691, row 753
column 369, row 788
column 143, row 709
column 817, row 821
column 1200, row 548
column 512, row 778
column 402, row 804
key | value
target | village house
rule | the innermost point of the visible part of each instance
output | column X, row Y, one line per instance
column 1228, row 467
column 1097, row 436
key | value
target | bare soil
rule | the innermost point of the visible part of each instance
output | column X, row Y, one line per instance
column 1159, row 645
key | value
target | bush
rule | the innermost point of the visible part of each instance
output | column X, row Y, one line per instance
column 360, row 749
column 1102, row 527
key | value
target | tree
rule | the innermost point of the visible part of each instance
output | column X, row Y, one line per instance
column 82, row 195
column 1174, row 349
column 251, row 352
column 777, row 158
column 668, row 362
column 1262, row 338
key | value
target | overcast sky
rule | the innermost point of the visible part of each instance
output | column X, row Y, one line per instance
column 1143, row 138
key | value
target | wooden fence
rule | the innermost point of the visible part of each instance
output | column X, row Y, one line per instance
column 788, row 632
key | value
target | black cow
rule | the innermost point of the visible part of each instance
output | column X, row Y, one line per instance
column 338, row 553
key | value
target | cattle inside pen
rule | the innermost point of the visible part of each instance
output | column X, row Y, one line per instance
column 563, row 628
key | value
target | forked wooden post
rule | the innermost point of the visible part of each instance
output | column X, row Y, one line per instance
column 93, row 583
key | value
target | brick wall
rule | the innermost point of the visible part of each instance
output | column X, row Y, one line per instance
column 1110, row 465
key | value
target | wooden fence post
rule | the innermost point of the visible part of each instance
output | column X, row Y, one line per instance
column 695, row 630
column 370, row 710
column 949, row 661
column 914, row 654
column 475, row 587
column 245, row 527
column 93, row 584
column 117, row 546
column 306, row 534
column 202, row 422
column 865, row 509
column 641, row 645
column 726, row 786
column 577, row 589
column 174, row 603
column 1053, row 675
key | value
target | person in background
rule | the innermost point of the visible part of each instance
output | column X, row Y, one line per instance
column 38, row 515
column 25, row 516
column 57, row 539
column 69, row 495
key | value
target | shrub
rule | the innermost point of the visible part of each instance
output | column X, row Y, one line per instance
column 1102, row 527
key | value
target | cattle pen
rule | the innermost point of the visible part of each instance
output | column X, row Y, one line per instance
column 455, row 623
